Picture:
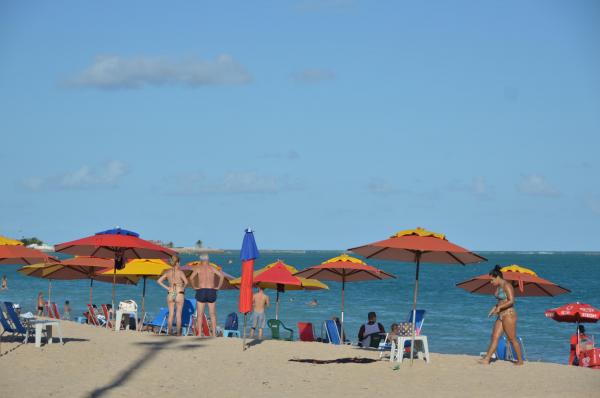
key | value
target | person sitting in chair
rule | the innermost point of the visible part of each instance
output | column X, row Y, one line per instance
column 369, row 333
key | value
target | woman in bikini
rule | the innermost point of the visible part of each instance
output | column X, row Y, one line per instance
column 175, row 295
column 507, row 316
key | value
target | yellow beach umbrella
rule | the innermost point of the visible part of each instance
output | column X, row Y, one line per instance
column 142, row 267
column 10, row 242
column 518, row 268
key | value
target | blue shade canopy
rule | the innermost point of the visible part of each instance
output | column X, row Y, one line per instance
column 118, row 231
column 249, row 250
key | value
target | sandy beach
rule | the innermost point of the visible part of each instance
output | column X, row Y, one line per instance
column 96, row 362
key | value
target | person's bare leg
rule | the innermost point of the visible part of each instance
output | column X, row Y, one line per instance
column 180, row 299
column 199, row 314
column 509, row 323
column 252, row 332
column 212, row 310
column 260, row 333
column 171, row 305
column 496, row 334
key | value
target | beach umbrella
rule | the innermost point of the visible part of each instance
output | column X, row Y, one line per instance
column 189, row 268
column 418, row 246
column 118, row 244
column 305, row 283
column 248, row 254
column 10, row 242
column 525, row 281
column 21, row 255
column 574, row 313
column 80, row 267
column 141, row 267
column 277, row 276
column 344, row 269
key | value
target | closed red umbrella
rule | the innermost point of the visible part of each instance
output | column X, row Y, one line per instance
column 344, row 269
column 418, row 245
column 248, row 254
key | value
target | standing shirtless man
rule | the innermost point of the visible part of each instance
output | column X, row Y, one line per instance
column 259, row 302
column 176, row 293
column 203, row 280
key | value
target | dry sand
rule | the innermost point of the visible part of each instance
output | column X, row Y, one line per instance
column 96, row 362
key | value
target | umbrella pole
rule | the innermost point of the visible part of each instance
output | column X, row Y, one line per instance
column 244, row 333
column 414, row 314
column 342, row 321
column 277, row 305
column 49, row 292
column 144, row 295
column 91, row 284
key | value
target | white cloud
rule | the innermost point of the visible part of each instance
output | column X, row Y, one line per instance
column 236, row 182
column 114, row 72
column 313, row 76
column 85, row 177
column 536, row 185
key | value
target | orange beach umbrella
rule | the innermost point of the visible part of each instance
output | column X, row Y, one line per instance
column 344, row 269
column 525, row 281
column 418, row 245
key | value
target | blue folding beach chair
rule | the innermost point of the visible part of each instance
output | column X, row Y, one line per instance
column 420, row 319
column 231, row 326
column 19, row 328
column 6, row 326
column 332, row 332
column 159, row 320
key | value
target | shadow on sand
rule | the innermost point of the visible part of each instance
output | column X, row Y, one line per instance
column 153, row 349
column 330, row 361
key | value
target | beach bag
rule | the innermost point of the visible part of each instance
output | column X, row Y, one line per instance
column 231, row 322
column 128, row 306
column 405, row 329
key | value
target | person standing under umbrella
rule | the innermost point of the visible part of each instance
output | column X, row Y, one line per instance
column 507, row 316
column 203, row 280
column 176, row 293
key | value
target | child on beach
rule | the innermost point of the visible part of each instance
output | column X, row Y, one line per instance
column 259, row 302
column 40, row 304
column 67, row 311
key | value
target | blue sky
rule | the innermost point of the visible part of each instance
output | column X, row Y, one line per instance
column 321, row 124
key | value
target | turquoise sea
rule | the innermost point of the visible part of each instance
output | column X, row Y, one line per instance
column 456, row 321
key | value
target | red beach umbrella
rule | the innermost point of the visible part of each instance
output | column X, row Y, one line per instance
column 574, row 313
column 21, row 255
column 118, row 244
column 344, row 269
column 525, row 281
column 418, row 245
column 280, row 276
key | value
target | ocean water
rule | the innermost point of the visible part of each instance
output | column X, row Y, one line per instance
column 456, row 321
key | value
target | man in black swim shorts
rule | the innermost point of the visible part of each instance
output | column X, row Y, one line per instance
column 206, row 278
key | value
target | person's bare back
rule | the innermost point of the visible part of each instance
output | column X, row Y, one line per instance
column 203, row 277
column 260, row 301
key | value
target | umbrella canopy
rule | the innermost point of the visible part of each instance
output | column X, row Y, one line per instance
column 21, row 255
column 72, row 269
column 188, row 268
column 112, row 243
column 279, row 276
column 8, row 241
column 118, row 244
column 574, row 313
column 248, row 254
column 141, row 267
column 525, row 281
column 344, row 269
column 418, row 245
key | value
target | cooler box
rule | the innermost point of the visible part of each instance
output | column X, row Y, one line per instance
column 590, row 358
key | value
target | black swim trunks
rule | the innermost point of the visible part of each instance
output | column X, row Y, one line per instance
column 206, row 295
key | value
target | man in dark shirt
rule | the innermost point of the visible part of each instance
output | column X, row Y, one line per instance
column 369, row 333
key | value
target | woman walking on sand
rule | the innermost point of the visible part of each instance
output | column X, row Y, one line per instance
column 175, row 295
column 507, row 316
